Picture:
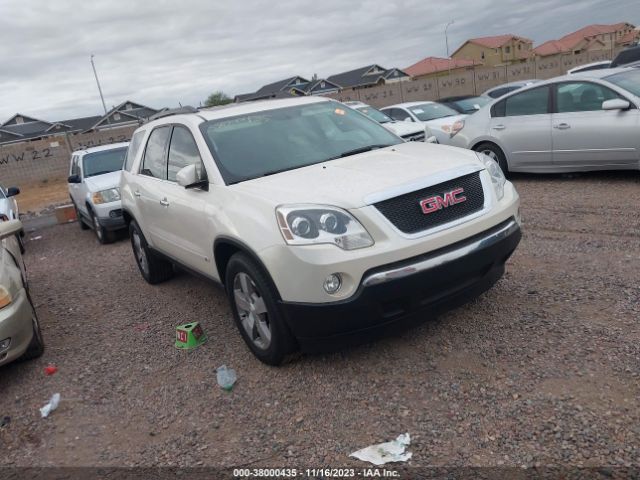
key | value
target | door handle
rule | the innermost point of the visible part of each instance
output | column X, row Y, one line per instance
column 164, row 202
column 499, row 127
column 562, row 126
column 136, row 193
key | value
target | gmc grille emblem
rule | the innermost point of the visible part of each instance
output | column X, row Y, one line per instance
column 437, row 202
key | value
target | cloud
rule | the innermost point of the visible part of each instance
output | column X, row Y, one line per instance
column 164, row 52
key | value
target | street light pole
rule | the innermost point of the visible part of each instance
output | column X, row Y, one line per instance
column 446, row 39
column 104, row 105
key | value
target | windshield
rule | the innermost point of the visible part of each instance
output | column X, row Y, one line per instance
column 107, row 161
column 377, row 115
column 431, row 111
column 468, row 105
column 271, row 141
column 630, row 81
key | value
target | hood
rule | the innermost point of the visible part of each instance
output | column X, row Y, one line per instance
column 404, row 128
column 347, row 182
column 439, row 122
column 104, row 181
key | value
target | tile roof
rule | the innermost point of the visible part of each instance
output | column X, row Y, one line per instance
column 435, row 64
column 573, row 39
column 496, row 41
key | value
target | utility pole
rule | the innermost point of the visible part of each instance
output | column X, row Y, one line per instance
column 104, row 105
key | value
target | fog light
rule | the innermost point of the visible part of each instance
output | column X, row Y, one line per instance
column 332, row 283
column 4, row 344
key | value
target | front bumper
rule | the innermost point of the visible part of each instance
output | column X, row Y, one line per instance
column 397, row 295
column 110, row 215
column 16, row 322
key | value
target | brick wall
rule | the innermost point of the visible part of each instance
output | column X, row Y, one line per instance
column 48, row 159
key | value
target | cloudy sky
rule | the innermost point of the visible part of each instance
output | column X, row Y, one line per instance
column 163, row 52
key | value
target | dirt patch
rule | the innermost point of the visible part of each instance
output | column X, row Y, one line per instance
column 39, row 197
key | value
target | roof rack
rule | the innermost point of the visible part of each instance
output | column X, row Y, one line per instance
column 173, row 111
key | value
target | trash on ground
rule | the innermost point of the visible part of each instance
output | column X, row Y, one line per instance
column 36, row 238
column 50, row 369
column 6, row 420
column 51, row 406
column 387, row 452
column 226, row 377
column 189, row 335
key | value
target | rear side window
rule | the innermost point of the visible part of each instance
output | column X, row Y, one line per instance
column 183, row 151
column 155, row 158
column 529, row 102
column 134, row 147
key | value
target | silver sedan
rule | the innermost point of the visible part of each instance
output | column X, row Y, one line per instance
column 579, row 122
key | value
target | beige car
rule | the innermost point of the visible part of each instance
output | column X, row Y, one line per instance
column 20, row 336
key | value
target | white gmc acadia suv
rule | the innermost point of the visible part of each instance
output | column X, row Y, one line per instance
column 320, row 223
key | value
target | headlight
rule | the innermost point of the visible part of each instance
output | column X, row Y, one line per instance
column 106, row 196
column 314, row 224
column 5, row 297
column 454, row 128
column 497, row 177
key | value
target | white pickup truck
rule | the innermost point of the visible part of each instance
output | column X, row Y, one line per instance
column 322, row 225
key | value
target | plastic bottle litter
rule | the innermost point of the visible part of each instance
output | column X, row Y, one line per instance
column 226, row 377
column 51, row 406
column 387, row 452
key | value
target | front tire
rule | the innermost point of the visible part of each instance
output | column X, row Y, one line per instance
column 102, row 234
column 152, row 268
column 494, row 152
column 254, row 303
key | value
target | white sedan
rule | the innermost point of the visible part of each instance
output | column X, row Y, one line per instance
column 409, row 132
column 441, row 120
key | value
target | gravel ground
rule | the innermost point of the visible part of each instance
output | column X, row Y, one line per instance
column 544, row 369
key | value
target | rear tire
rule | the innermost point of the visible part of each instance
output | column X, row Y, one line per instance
column 254, row 303
column 152, row 268
column 36, row 346
column 495, row 152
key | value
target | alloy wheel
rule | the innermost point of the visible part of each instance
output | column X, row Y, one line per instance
column 252, row 310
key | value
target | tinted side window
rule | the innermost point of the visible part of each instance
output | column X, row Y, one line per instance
column 530, row 102
column 498, row 109
column 134, row 147
column 74, row 166
column 183, row 151
column 582, row 97
column 154, row 162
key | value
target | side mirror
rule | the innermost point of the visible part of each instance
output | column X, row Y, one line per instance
column 408, row 119
column 12, row 191
column 615, row 104
column 74, row 179
column 10, row 227
column 188, row 177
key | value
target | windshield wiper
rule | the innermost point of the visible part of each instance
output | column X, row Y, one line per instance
column 355, row 151
column 99, row 173
column 280, row 170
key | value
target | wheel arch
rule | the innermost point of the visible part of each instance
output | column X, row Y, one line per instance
column 491, row 141
column 225, row 247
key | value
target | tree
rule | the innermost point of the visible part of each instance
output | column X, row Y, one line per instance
column 217, row 98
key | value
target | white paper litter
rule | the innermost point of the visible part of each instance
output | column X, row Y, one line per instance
column 387, row 452
column 51, row 406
